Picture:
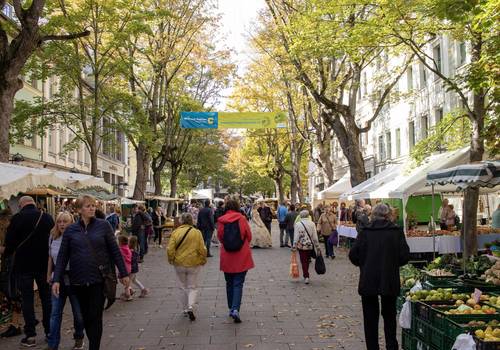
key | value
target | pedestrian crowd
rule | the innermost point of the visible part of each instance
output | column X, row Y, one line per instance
column 79, row 257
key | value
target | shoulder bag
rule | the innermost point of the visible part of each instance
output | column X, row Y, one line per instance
column 107, row 273
column 9, row 280
column 314, row 255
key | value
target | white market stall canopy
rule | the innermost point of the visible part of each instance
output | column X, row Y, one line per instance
column 338, row 188
column 163, row 198
column 404, row 180
column 206, row 193
column 480, row 174
column 16, row 179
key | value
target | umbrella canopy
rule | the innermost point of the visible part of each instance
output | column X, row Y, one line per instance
column 334, row 191
column 480, row 174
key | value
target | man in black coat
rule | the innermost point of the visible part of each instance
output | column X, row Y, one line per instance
column 206, row 224
column 28, row 237
column 266, row 215
column 380, row 249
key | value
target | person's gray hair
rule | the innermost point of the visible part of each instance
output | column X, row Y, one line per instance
column 25, row 200
column 304, row 214
column 186, row 219
column 381, row 211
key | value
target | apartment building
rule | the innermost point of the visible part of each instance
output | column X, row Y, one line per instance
column 49, row 151
column 422, row 103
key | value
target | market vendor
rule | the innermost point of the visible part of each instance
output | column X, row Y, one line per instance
column 495, row 218
column 443, row 215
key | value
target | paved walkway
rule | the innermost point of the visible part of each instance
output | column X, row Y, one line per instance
column 277, row 313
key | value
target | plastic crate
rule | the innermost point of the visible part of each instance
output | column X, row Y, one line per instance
column 422, row 329
column 406, row 339
column 486, row 345
column 439, row 340
column 419, row 344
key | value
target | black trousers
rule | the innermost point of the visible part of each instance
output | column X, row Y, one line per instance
column 91, row 299
column 371, row 317
column 25, row 285
column 268, row 226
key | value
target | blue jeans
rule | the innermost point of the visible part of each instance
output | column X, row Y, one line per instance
column 328, row 247
column 143, row 243
column 234, row 289
column 56, row 316
column 289, row 234
column 207, row 237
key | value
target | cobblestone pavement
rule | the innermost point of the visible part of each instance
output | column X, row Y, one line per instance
column 277, row 313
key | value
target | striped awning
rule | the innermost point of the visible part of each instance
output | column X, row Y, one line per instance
column 481, row 174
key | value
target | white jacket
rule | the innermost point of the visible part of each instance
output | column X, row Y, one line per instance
column 301, row 238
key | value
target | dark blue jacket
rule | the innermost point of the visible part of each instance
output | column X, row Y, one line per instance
column 75, row 250
column 206, row 219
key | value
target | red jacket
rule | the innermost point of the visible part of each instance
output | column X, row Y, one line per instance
column 234, row 262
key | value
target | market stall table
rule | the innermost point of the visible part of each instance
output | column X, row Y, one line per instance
column 347, row 231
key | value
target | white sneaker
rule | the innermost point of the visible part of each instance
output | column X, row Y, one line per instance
column 306, row 280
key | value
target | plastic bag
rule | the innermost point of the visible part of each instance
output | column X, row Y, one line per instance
column 405, row 316
column 416, row 287
column 294, row 267
column 464, row 342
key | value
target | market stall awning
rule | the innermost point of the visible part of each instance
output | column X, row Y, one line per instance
column 164, row 199
column 44, row 191
column 17, row 179
column 129, row 201
column 334, row 191
column 79, row 181
column 97, row 192
column 405, row 180
column 480, row 174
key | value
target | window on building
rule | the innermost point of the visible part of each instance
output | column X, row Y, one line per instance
column 34, row 81
column 388, row 141
column 381, row 147
column 462, row 53
column 436, row 55
column 409, row 78
column 424, row 125
column 423, row 75
column 438, row 115
column 368, row 174
column 52, row 86
column 411, row 134
column 398, row 142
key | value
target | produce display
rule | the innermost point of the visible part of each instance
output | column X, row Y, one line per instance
column 440, row 273
column 484, row 230
column 492, row 275
column 488, row 334
column 409, row 275
column 477, row 309
column 436, row 295
column 415, row 233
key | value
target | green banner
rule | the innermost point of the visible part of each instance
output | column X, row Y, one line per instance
column 251, row 120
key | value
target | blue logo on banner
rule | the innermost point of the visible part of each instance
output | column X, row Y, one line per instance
column 199, row 120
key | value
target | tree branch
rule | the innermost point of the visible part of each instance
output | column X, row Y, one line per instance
column 63, row 37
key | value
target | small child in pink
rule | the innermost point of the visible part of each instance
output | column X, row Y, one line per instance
column 127, row 257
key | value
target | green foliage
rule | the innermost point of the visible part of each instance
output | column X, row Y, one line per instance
column 451, row 133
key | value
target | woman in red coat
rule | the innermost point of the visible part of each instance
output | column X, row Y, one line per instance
column 235, row 254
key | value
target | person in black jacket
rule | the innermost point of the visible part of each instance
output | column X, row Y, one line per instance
column 380, row 249
column 206, row 224
column 83, row 243
column 266, row 215
column 139, row 223
column 28, row 236
column 219, row 211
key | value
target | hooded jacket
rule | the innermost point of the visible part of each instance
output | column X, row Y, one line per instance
column 380, row 249
column 240, row 261
column 192, row 252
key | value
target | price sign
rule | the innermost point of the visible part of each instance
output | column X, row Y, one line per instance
column 477, row 295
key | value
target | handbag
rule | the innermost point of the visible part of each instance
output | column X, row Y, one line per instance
column 333, row 239
column 9, row 280
column 108, row 276
column 313, row 252
column 319, row 265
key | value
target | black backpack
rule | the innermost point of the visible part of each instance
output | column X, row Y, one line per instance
column 231, row 239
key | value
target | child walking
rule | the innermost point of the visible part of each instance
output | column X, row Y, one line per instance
column 133, row 245
column 127, row 257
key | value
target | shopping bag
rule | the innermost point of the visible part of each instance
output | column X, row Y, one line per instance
column 333, row 239
column 319, row 265
column 294, row 267
column 405, row 316
column 464, row 342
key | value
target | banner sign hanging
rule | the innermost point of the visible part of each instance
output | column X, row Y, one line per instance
column 233, row 120
column 199, row 120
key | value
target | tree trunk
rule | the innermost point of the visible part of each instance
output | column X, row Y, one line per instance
column 280, row 193
column 324, row 145
column 293, row 189
column 348, row 137
column 157, row 181
column 93, row 161
column 142, row 171
column 173, row 189
column 7, row 93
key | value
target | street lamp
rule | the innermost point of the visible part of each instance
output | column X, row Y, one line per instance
column 16, row 158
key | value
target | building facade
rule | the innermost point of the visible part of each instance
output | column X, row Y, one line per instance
column 416, row 104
